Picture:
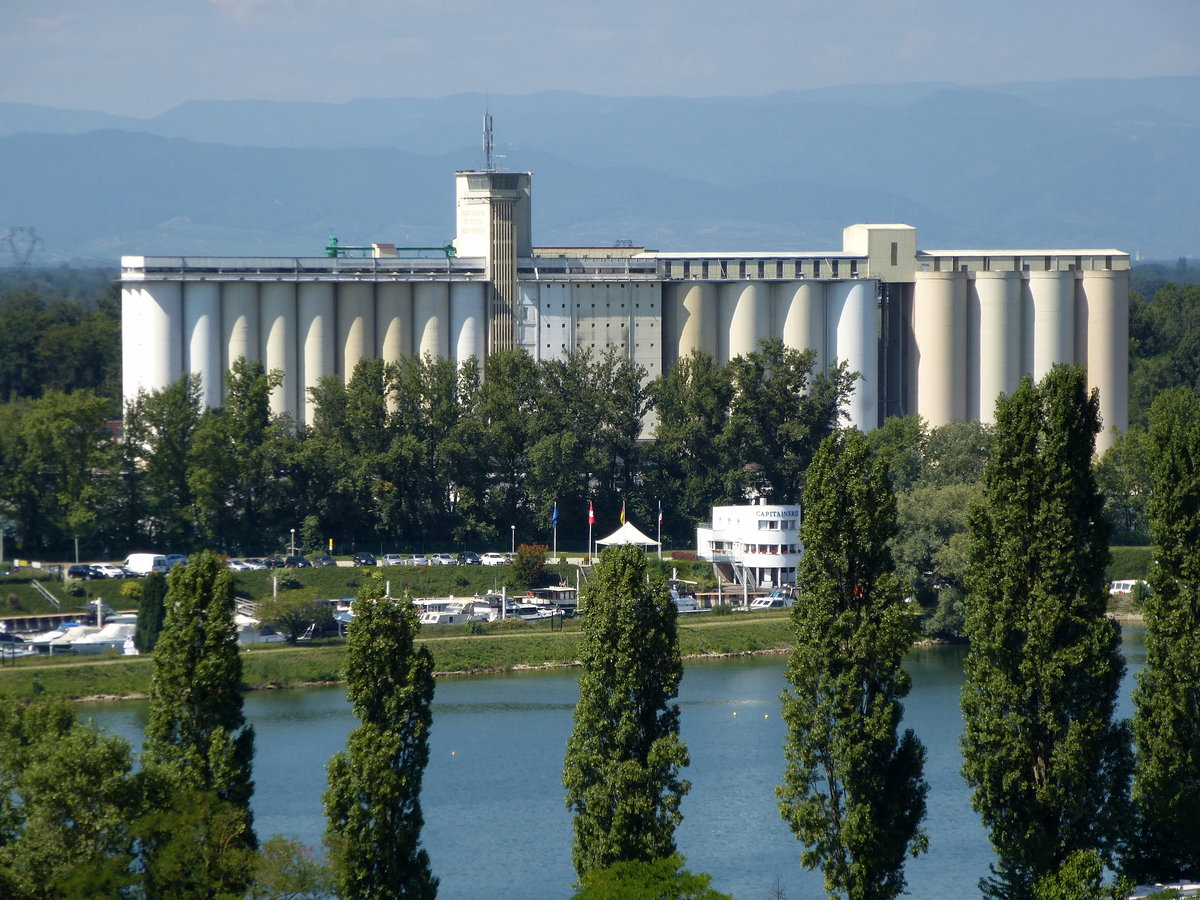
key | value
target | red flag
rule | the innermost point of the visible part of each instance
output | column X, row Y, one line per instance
column 622, row 512
column 591, row 514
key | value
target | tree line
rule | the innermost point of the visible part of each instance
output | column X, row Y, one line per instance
column 423, row 454
column 400, row 453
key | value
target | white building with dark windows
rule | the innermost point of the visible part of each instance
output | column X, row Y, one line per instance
column 939, row 333
column 755, row 545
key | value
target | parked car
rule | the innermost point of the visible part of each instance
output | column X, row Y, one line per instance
column 494, row 559
column 418, row 559
column 441, row 559
column 469, row 558
column 364, row 559
column 81, row 572
column 108, row 570
column 393, row 559
column 175, row 559
column 323, row 560
column 237, row 565
column 296, row 562
column 253, row 562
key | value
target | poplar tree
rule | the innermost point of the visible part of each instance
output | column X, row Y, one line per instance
column 373, row 804
column 624, row 755
column 198, row 750
column 1047, row 765
column 1166, row 726
column 853, row 791
column 151, row 611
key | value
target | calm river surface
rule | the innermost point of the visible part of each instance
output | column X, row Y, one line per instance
column 495, row 824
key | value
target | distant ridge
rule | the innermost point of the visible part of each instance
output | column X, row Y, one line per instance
column 1087, row 163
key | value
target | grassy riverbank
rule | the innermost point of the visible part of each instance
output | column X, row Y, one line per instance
column 505, row 648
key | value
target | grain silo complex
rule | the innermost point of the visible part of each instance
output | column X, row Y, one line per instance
column 935, row 332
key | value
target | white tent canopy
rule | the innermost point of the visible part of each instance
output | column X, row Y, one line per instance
column 628, row 534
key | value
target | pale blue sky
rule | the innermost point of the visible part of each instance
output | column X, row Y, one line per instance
column 141, row 57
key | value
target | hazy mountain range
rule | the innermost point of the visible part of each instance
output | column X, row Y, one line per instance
column 1091, row 164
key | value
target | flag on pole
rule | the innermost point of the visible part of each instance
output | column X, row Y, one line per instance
column 622, row 512
column 554, row 515
column 660, row 514
column 591, row 514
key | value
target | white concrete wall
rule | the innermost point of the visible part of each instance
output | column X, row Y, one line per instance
column 355, row 326
column 468, row 321
column 277, row 305
column 1106, row 308
column 939, row 328
column 996, row 340
column 431, row 319
column 393, row 321
column 800, row 318
column 852, row 335
column 152, row 347
column 316, row 334
column 202, row 338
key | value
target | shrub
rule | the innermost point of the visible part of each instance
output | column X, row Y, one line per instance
column 530, row 561
column 683, row 555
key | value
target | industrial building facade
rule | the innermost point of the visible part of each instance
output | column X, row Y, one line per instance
column 940, row 333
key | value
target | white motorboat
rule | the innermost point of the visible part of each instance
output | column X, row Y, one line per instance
column 445, row 617
column 112, row 636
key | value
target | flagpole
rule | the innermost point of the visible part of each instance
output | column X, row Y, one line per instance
column 554, row 522
column 660, row 529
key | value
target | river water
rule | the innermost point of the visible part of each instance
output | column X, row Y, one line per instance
column 495, row 824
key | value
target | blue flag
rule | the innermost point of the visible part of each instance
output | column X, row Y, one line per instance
column 554, row 515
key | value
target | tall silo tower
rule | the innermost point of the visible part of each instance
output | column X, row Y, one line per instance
column 492, row 217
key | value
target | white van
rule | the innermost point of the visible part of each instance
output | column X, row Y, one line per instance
column 145, row 563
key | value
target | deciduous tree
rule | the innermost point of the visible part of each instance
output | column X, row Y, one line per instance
column 624, row 756
column 853, row 790
column 1166, row 726
column 373, row 804
column 656, row 879
column 1048, row 766
column 67, row 798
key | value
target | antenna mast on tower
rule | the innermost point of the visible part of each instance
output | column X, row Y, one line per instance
column 487, row 142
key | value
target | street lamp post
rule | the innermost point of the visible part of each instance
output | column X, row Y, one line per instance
column 293, row 544
column 514, row 538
